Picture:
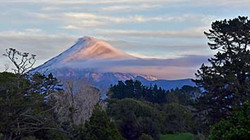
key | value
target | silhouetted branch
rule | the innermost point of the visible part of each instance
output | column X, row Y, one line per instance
column 22, row 61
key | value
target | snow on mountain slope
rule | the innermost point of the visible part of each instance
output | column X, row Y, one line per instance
column 85, row 49
column 88, row 58
column 90, row 48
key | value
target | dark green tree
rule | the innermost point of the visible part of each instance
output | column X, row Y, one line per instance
column 100, row 127
column 24, row 104
column 234, row 127
column 24, row 98
column 226, row 80
column 134, row 89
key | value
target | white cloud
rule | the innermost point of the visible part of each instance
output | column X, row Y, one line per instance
column 50, row 8
column 83, row 24
column 42, row 15
column 71, row 27
column 124, row 8
column 188, row 33
column 33, row 30
column 81, row 20
column 125, row 19
column 82, row 15
column 144, row 56
column 88, row 1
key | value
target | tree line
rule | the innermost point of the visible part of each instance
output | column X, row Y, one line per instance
column 153, row 94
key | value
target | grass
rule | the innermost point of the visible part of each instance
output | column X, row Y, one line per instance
column 180, row 136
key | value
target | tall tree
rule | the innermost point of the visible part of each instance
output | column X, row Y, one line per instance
column 226, row 81
column 23, row 98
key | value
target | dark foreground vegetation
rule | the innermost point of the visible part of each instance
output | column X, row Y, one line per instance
column 37, row 107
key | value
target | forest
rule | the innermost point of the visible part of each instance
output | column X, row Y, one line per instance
column 36, row 106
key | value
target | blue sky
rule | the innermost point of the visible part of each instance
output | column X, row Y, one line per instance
column 165, row 29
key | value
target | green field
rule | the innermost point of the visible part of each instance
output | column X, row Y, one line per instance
column 181, row 136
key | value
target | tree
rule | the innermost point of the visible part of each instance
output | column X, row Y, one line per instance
column 135, row 117
column 24, row 99
column 226, row 81
column 23, row 104
column 74, row 105
column 134, row 89
column 22, row 61
column 235, row 127
column 99, row 127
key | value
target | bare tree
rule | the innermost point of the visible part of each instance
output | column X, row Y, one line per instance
column 23, row 61
column 77, row 102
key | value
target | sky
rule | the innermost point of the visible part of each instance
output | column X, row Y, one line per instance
column 160, row 29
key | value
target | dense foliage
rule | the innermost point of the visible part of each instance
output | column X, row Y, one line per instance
column 134, row 89
column 136, row 117
column 234, row 127
column 99, row 127
column 155, row 94
column 226, row 80
column 23, row 103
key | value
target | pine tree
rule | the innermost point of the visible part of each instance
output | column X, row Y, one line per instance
column 226, row 80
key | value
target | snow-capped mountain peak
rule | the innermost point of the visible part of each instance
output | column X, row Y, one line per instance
column 90, row 48
column 85, row 49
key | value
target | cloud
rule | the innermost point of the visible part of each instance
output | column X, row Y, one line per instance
column 170, row 73
column 81, row 20
column 83, row 24
column 177, row 2
column 163, row 48
column 184, row 61
column 33, row 30
column 70, row 27
column 50, row 8
column 145, row 56
column 220, row 2
column 43, row 15
column 126, row 19
column 124, row 8
column 188, row 33
column 181, row 67
column 115, row 19
column 88, row 1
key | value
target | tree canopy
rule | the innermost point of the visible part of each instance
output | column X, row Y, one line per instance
column 226, row 80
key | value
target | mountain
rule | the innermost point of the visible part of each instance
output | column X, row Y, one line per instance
column 85, row 49
column 93, row 60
